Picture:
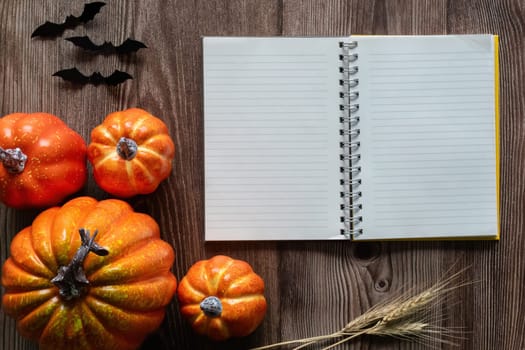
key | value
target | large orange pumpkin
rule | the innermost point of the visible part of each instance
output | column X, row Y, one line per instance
column 104, row 289
column 131, row 153
column 222, row 298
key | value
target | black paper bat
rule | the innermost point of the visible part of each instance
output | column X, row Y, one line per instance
column 128, row 46
column 75, row 76
column 51, row 30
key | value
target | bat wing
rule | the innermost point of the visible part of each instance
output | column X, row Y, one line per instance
column 48, row 30
column 90, row 10
column 129, row 45
column 84, row 42
column 117, row 77
column 73, row 75
column 51, row 30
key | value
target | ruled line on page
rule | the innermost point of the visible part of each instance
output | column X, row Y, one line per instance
column 387, row 151
column 379, row 70
column 424, row 103
column 423, row 59
column 456, row 225
column 272, row 62
column 445, row 87
column 426, row 166
column 392, row 147
column 259, row 55
column 431, row 53
column 415, row 208
column 394, row 94
column 419, row 122
column 439, row 110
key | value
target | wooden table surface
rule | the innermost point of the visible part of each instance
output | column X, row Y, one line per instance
column 312, row 288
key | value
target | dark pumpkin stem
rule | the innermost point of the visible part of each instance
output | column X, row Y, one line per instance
column 71, row 279
column 127, row 148
column 14, row 160
column 211, row 306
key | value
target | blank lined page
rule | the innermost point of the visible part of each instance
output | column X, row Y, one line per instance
column 428, row 144
column 271, row 120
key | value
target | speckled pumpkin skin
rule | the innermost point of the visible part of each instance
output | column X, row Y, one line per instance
column 129, row 288
column 56, row 160
column 238, row 287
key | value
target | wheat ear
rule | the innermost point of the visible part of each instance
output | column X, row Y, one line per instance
column 404, row 317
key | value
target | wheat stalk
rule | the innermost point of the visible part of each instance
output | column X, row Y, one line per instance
column 403, row 317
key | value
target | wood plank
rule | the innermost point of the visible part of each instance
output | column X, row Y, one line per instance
column 311, row 287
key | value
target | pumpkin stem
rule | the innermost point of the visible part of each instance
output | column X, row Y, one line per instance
column 14, row 160
column 127, row 148
column 211, row 306
column 71, row 279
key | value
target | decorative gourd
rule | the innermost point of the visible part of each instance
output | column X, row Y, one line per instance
column 222, row 298
column 131, row 153
column 104, row 289
column 42, row 160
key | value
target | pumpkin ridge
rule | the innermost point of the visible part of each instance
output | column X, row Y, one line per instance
column 20, row 264
column 129, row 174
column 127, row 309
column 239, row 281
column 61, row 311
column 37, row 314
column 135, row 325
column 218, row 279
column 30, row 299
column 138, row 222
column 137, row 123
column 194, row 291
column 197, row 317
column 144, row 149
column 156, row 249
column 84, row 210
column 16, row 278
column 243, row 298
column 131, row 249
column 107, row 133
column 48, row 218
column 139, row 164
column 32, row 272
column 160, row 138
column 116, row 220
column 106, row 158
column 115, row 332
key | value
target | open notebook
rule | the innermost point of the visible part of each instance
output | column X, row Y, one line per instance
column 364, row 137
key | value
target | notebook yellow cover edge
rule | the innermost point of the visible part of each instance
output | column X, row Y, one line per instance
column 497, row 128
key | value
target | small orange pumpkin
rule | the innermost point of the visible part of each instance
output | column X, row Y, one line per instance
column 222, row 298
column 131, row 153
column 67, row 291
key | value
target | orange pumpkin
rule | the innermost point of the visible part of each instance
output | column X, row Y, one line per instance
column 42, row 160
column 104, row 289
column 222, row 298
column 131, row 153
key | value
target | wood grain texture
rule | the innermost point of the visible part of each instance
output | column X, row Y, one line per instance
column 312, row 287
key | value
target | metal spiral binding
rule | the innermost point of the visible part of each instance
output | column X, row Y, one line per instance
column 349, row 143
